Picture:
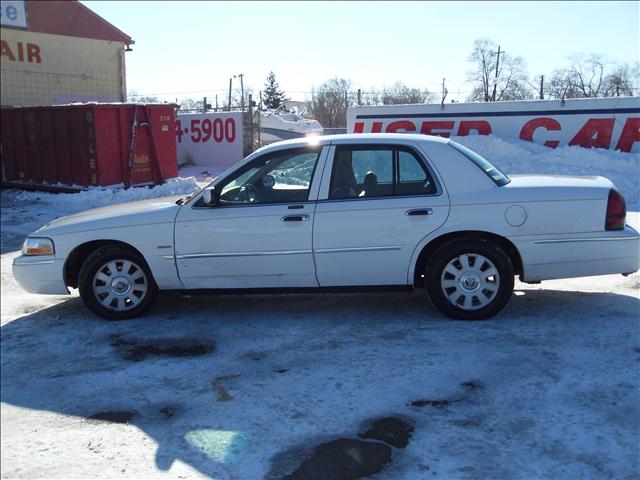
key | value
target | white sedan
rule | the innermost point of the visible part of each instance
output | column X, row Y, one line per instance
column 341, row 212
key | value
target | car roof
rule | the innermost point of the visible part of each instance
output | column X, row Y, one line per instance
column 354, row 138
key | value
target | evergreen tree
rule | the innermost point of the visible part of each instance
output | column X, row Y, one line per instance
column 273, row 96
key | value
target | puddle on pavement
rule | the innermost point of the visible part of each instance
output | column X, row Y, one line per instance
column 472, row 385
column 167, row 412
column 391, row 430
column 440, row 404
column 344, row 459
column 136, row 350
column 354, row 458
column 123, row 416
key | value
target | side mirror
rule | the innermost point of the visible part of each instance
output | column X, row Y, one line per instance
column 211, row 197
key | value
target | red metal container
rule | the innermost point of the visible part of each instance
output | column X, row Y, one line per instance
column 88, row 145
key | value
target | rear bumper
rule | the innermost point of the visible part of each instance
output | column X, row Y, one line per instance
column 41, row 274
column 580, row 255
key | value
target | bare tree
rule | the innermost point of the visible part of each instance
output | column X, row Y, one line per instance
column 371, row 97
column 511, row 78
column 586, row 74
column 135, row 97
column 191, row 104
column 591, row 76
column 330, row 101
column 399, row 94
column 561, row 85
column 624, row 80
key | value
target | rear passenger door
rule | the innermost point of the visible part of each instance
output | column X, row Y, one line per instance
column 376, row 203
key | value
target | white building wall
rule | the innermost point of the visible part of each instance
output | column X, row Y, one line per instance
column 44, row 69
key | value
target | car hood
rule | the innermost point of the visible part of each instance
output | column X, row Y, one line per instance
column 143, row 212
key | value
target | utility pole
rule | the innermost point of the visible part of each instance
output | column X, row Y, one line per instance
column 229, row 104
column 241, row 75
column 444, row 93
column 541, row 87
column 495, row 81
column 216, row 102
column 204, row 105
column 251, row 122
column 359, row 97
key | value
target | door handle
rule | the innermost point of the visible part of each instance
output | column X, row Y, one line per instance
column 419, row 211
column 295, row 218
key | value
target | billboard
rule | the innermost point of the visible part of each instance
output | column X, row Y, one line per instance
column 610, row 123
column 214, row 139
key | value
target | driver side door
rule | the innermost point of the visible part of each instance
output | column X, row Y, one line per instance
column 259, row 234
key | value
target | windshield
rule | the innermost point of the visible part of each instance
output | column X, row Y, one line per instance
column 485, row 165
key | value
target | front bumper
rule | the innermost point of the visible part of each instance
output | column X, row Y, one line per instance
column 40, row 274
column 580, row 255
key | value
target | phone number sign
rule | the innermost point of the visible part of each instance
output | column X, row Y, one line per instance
column 209, row 138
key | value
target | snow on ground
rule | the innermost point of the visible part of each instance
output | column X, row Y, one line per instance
column 547, row 389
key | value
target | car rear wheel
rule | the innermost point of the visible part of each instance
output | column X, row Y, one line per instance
column 469, row 279
column 116, row 283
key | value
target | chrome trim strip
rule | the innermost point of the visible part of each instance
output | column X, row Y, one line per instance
column 358, row 249
column 596, row 239
column 240, row 254
column 35, row 262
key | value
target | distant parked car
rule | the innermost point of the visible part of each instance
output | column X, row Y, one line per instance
column 341, row 212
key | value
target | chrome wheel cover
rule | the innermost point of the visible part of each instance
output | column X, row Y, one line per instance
column 120, row 285
column 470, row 281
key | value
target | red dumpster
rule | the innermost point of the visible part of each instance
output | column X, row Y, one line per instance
column 88, row 145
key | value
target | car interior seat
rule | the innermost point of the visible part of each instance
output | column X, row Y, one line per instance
column 370, row 185
column 345, row 184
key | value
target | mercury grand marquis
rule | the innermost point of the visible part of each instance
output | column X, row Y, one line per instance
column 347, row 212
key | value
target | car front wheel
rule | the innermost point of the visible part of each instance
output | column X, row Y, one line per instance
column 469, row 279
column 116, row 283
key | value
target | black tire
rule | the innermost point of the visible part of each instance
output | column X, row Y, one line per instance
column 459, row 280
column 132, row 292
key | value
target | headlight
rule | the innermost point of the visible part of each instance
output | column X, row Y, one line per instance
column 38, row 246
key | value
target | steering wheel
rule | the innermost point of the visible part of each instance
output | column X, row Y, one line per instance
column 249, row 194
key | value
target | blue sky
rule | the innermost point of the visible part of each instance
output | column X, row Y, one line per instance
column 190, row 49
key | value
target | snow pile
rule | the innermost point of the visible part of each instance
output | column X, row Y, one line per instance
column 68, row 203
column 517, row 156
column 204, row 174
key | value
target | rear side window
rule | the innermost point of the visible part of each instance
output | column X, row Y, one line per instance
column 485, row 165
column 366, row 171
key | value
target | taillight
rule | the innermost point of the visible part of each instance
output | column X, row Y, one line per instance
column 616, row 212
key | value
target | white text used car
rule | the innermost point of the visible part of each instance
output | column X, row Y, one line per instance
column 341, row 212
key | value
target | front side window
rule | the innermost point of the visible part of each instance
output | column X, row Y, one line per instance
column 280, row 177
column 378, row 171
